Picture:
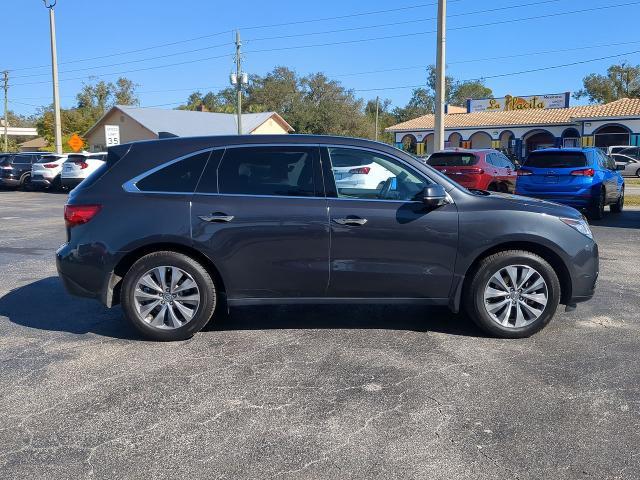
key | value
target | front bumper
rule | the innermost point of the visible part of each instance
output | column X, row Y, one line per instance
column 584, row 278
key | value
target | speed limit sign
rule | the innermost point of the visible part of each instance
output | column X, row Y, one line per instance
column 112, row 135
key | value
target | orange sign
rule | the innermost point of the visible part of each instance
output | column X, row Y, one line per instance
column 75, row 142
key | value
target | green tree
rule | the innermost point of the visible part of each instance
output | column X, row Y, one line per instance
column 621, row 81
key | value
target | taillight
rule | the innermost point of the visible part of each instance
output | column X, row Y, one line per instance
column 524, row 173
column 81, row 164
column 50, row 165
column 585, row 172
column 472, row 171
column 360, row 170
column 79, row 214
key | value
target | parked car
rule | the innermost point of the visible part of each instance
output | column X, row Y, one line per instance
column 79, row 166
column 628, row 150
column 15, row 169
column 582, row 178
column 46, row 172
column 628, row 166
column 477, row 169
column 177, row 230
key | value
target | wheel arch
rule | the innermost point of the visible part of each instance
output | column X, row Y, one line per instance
column 556, row 262
column 112, row 295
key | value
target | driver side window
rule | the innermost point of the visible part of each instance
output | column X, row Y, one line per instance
column 368, row 175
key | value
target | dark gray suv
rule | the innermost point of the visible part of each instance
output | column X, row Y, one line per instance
column 178, row 229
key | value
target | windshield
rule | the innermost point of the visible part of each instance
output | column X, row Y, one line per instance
column 452, row 159
column 556, row 159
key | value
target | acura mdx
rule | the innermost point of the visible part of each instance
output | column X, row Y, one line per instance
column 178, row 230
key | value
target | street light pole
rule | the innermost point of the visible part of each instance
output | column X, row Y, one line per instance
column 54, row 72
column 440, row 77
column 239, row 81
column 5, row 78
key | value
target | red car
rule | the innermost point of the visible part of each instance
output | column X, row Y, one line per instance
column 478, row 169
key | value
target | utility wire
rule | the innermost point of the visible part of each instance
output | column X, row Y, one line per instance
column 287, row 36
column 254, row 27
column 521, row 72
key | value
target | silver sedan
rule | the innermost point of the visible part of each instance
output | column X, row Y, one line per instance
column 630, row 164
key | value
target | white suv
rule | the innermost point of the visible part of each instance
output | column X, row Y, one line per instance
column 79, row 166
column 46, row 171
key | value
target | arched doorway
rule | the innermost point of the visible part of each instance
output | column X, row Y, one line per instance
column 454, row 140
column 538, row 139
column 409, row 143
column 428, row 144
column 609, row 135
column 480, row 140
column 507, row 143
column 571, row 138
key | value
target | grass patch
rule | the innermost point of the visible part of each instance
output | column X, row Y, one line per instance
column 632, row 181
column 632, row 200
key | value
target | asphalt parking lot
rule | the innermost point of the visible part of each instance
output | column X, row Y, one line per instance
column 324, row 392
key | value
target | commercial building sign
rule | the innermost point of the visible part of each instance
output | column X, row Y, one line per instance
column 510, row 103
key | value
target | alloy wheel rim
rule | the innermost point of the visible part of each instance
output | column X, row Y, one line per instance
column 516, row 296
column 166, row 297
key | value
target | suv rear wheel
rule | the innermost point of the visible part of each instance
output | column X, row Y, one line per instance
column 619, row 205
column 168, row 296
column 512, row 294
column 596, row 212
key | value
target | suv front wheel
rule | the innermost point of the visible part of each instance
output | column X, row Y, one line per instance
column 168, row 296
column 512, row 294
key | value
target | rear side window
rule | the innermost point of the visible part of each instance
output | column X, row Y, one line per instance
column 452, row 160
column 179, row 177
column 26, row 159
column 556, row 159
column 5, row 160
column 275, row 171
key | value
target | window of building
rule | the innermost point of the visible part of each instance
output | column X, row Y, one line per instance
column 179, row 177
column 273, row 171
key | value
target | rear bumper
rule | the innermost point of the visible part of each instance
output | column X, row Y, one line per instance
column 40, row 180
column 9, row 182
column 71, row 182
column 572, row 199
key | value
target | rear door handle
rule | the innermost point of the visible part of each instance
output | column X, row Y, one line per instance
column 351, row 222
column 216, row 218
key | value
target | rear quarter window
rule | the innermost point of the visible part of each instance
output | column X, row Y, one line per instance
column 452, row 160
column 179, row 177
column 556, row 160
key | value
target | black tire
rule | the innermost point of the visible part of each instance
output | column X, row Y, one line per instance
column 596, row 212
column 478, row 279
column 25, row 182
column 205, row 284
column 56, row 185
column 493, row 188
column 619, row 205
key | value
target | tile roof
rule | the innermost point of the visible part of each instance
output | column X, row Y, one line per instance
column 625, row 107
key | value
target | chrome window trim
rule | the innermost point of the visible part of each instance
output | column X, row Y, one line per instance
column 131, row 187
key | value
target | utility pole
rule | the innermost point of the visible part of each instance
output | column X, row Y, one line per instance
column 54, row 72
column 440, row 77
column 5, row 78
column 377, row 115
column 239, row 81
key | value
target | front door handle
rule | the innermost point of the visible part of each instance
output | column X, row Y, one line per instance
column 351, row 221
column 216, row 218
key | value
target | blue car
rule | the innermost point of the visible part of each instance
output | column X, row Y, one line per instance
column 583, row 178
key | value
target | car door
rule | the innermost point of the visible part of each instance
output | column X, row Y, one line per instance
column 610, row 177
column 511, row 175
column 384, row 242
column 260, row 214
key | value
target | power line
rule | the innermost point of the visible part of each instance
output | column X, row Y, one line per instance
column 521, row 72
column 537, row 3
column 404, row 22
column 343, row 42
column 254, row 27
column 464, row 27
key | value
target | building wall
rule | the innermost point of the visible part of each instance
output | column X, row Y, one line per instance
column 130, row 131
column 269, row 127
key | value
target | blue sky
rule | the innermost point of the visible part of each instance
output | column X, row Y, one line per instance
column 88, row 29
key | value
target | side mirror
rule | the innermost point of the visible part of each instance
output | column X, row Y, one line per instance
column 434, row 196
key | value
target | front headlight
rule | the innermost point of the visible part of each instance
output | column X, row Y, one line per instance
column 580, row 225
